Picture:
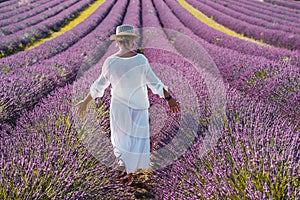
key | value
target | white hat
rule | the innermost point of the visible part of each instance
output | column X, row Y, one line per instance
column 123, row 30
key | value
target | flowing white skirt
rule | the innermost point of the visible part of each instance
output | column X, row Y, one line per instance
column 130, row 135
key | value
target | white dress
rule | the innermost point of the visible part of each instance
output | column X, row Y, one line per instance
column 129, row 117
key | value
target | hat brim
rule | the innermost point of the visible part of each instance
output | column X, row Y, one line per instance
column 114, row 36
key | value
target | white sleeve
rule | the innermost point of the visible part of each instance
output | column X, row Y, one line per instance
column 98, row 87
column 153, row 82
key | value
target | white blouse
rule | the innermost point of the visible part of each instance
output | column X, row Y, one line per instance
column 129, row 78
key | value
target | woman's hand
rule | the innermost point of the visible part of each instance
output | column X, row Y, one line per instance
column 174, row 106
column 81, row 108
column 82, row 105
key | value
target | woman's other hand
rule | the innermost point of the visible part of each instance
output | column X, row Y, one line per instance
column 82, row 105
column 81, row 108
column 174, row 106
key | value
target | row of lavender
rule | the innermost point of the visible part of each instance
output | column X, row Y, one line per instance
column 51, row 48
column 274, row 37
column 26, row 85
column 24, row 17
column 273, row 8
column 262, row 13
column 240, row 165
column 12, row 43
column 10, row 8
column 7, row 3
column 223, row 40
column 56, row 7
column 293, row 5
column 277, row 11
column 252, row 18
column 58, row 165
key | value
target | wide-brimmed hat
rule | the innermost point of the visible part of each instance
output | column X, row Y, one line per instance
column 123, row 30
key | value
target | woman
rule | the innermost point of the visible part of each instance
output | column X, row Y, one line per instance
column 129, row 73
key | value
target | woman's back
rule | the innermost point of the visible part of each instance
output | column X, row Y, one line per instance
column 128, row 77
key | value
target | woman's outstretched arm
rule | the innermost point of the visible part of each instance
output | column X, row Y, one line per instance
column 157, row 87
column 96, row 89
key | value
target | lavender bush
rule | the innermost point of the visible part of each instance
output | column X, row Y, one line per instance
column 273, row 37
column 56, row 8
column 19, row 18
column 276, row 10
column 18, row 41
column 223, row 40
column 288, row 4
column 262, row 13
column 10, row 8
column 57, row 45
column 226, row 9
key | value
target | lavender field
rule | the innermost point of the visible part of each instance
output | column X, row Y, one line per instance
column 234, row 67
